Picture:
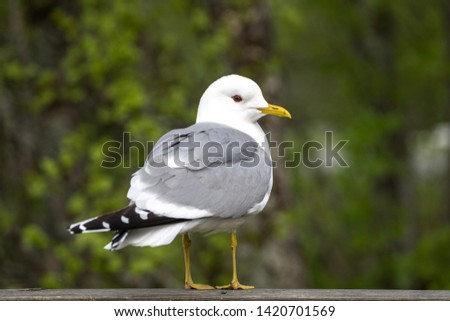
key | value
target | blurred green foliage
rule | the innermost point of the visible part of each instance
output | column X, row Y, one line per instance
column 77, row 74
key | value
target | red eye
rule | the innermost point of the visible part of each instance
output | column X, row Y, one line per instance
column 237, row 98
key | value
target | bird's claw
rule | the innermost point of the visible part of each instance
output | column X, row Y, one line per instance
column 197, row 286
column 235, row 286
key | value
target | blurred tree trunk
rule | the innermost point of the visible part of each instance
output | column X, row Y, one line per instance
column 446, row 16
column 380, row 54
column 18, row 142
column 376, row 49
column 17, row 35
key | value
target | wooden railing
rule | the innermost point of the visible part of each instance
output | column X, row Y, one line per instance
column 194, row 295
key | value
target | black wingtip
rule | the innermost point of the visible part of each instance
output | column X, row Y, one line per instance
column 124, row 219
column 74, row 229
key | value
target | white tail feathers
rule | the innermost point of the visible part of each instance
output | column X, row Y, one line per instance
column 152, row 236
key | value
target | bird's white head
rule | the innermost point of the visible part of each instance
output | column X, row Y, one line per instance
column 234, row 99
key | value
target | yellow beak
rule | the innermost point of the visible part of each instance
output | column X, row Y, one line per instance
column 276, row 110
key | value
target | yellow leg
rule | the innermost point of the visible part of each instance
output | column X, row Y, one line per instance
column 235, row 285
column 188, row 283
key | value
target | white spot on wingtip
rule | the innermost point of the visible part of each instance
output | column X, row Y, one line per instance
column 143, row 214
column 105, row 225
column 124, row 219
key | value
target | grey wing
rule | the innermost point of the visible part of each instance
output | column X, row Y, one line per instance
column 202, row 171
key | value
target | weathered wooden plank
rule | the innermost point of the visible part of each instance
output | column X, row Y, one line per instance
column 219, row 295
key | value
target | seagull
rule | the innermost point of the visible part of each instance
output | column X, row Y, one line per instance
column 206, row 178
